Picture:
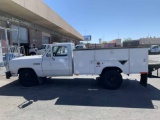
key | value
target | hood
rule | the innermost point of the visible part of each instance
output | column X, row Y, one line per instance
column 25, row 62
column 28, row 57
column 33, row 62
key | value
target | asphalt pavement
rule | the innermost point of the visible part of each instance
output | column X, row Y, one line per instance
column 79, row 98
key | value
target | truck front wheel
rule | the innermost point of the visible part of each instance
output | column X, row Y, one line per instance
column 28, row 77
column 112, row 80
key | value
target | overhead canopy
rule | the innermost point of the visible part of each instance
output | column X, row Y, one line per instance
column 39, row 13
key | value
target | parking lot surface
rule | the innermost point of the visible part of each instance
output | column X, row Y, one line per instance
column 77, row 98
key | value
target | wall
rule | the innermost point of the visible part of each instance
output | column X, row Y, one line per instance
column 116, row 41
column 149, row 41
column 132, row 43
column 35, row 37
column 142, row 42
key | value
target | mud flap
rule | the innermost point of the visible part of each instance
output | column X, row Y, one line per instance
column 8, row 75
column 143, row 80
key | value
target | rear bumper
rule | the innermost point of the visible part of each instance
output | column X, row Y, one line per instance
column 8, row 75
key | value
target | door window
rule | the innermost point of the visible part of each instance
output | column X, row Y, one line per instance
column 60, row 51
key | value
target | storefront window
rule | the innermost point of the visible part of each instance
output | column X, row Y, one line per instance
column 23, row 34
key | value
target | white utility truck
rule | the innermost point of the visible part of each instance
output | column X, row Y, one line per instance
column 61, row 60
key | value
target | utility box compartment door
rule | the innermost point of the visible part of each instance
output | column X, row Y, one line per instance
column 84, row 62
column 138, row 60
column 111, row 58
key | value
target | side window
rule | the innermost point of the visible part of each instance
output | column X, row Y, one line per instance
column 60, row 51
column 54, row 49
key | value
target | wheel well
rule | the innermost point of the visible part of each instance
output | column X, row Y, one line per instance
column 111, row 68
column 21, row 69
column 32, row 53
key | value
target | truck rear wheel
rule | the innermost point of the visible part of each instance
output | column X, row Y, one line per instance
column 28, row 77
column 112, row 80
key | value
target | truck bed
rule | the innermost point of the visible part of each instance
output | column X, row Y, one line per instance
column 93, row 61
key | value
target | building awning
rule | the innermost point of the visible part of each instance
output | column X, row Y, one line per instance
column 37, row 12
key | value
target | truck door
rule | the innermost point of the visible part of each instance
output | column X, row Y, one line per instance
column 60, row 61
column 47, row 64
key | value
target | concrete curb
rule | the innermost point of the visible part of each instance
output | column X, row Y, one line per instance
column 2, row 71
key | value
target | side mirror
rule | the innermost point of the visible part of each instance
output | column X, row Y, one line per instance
column 48, row 55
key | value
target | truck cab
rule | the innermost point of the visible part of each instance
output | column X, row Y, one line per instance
column 56, row 61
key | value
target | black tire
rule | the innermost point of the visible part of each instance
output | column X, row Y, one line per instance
column 32, row 53
column 112, row 80
column 28, row 77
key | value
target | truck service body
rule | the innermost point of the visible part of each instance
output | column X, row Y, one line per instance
column 61, row 60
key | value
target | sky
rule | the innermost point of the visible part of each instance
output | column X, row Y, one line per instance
column 110, row 19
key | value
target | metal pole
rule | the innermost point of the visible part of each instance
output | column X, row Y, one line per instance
column 7, row 52
column 18, row 40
